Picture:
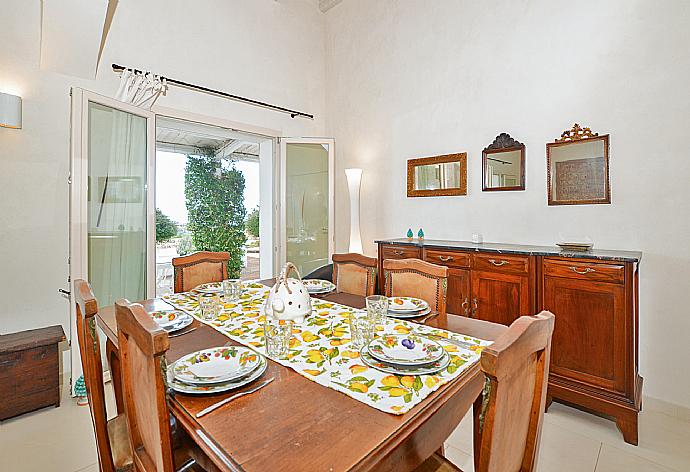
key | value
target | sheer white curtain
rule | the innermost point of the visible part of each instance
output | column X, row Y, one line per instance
column 117, row 236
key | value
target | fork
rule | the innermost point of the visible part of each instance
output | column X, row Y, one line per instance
column 450, row 341
column 174, row 335
column 231, row 398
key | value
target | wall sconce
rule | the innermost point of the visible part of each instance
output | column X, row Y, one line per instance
column 10, row 111
column 354, row 181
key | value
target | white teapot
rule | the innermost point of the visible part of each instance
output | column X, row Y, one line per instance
column 288, row 299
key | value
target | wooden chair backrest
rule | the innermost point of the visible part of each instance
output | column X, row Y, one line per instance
column 90, row 352
column 199, row 268
column 517, row 369
column 416, row 278
column 142, row 345
column 354, row 273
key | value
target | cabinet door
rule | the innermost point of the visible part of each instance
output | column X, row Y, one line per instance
column 499, row 297
column 589, row 336
column 458, row 297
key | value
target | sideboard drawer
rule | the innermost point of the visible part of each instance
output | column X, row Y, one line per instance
column 400, row 252
column 501, row 263
column 597, row 271
column 447, row 258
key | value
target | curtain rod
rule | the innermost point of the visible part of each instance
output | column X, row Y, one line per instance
column 199, row 88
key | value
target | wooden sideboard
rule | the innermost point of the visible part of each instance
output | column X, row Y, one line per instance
column 593, row 294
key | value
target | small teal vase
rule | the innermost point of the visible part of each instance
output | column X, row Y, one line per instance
column 420, row 234
column 410, row 234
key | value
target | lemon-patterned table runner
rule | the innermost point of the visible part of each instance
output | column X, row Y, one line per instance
column 320, row 349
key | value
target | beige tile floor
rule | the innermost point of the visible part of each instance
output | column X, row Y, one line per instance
column 61, row 440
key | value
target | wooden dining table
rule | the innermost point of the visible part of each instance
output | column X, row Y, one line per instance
column 294, row 424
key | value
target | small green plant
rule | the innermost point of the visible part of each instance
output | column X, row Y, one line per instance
column 253, row 223
column 214, row 196
column 166, row 229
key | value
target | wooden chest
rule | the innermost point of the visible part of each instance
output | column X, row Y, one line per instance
column 29, row 370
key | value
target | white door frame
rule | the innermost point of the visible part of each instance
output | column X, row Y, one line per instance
column 78, row 204
column 244, row 128
column 283, row 192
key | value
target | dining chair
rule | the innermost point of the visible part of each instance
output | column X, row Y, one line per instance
column 510, row 418
column 416, row 278
column 199, row 268
column 354, row 273
column 323, row 273
column 112, row 438
column 156, row 447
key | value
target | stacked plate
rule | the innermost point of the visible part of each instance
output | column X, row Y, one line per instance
column 211, row 288
column 315, row 286
column 405, row 354
column 216, row 370
column 407, row 307
column 172, row 320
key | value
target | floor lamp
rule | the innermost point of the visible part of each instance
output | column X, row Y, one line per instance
column 354, row 180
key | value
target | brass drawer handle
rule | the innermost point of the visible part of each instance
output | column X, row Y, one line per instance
column 398, row 252
column 582, row 272
column 465, row 306
column 498, row 263
column 475, row 308
column 446, row 258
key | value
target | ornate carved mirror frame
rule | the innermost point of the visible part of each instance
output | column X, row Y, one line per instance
column 503, row 143
column 585, row 177
column 461, row 189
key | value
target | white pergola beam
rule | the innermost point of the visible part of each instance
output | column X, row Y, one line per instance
column 227, row 149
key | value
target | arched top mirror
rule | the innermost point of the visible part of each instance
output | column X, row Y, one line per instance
column 503, row 165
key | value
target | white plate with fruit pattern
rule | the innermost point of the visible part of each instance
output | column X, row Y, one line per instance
column 406, row 304
column 318, row 286
column 405, row 349
column 210, row 288
column 214, row 365
column 182, row 387
column 424, row 369
column 172, row 320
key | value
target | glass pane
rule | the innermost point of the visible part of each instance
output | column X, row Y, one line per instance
column 503, row 169
column 307, row 205
column 578, row 171
column 439, row 176
column 116, row 204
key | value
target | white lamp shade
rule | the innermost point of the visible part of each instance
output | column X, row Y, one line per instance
column 354, row 181
column 10, row 111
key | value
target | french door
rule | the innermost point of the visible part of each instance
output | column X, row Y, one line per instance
column 112, row 217
column 307, row 203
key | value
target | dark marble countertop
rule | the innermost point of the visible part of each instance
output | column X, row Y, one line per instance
column 601, row 254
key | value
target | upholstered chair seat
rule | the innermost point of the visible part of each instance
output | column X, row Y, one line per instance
column 199, row 268
column 416, row 278
column 355, row 274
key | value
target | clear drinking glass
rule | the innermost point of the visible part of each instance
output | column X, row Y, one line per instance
column 377, row 308
column 232, row 288
column 210, row 307
column 277, row 336
column 361, row 328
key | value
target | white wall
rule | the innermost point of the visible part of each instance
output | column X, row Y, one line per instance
column 263, row 49
column 417, row 78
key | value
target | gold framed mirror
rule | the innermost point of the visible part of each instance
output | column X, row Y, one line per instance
column 577, row 166
column 437, row 176
column 503, row 165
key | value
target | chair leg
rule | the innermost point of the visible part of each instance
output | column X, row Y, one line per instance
column 113, row 357
column 477, row 439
